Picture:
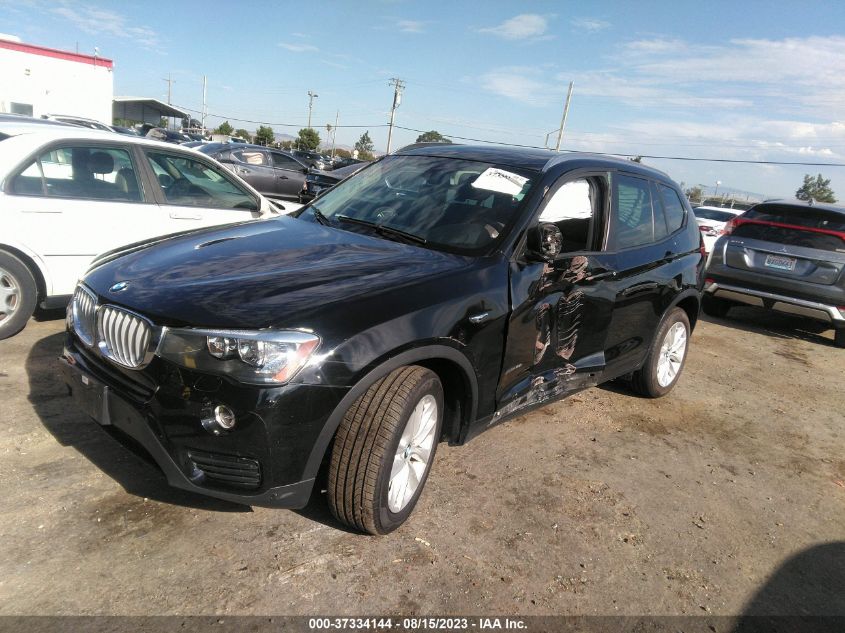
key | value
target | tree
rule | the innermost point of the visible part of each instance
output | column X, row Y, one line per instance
column 817, row 188
column 244, row 134
column 308, row 139
column 286, row 145
column 224, row 128
column 365, row 146
column 264, row 135
column 343, row 153
column 432, row 136
column 694, row 193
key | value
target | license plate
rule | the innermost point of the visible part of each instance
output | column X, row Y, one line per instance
column 780, row 262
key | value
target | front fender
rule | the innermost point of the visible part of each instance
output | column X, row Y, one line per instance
column 380, row 370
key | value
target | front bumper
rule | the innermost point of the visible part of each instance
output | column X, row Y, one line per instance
column 262, row 462
column 777, row 302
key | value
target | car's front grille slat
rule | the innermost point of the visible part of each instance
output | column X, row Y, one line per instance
column 84, row 307
column 124, row 337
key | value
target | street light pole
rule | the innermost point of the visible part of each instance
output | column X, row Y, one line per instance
column 311, row 97
column 565, row 114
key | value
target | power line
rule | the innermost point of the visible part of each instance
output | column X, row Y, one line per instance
column 234, row 118
column 686, row 158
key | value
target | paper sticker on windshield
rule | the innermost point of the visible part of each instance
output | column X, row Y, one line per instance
column 500, row 181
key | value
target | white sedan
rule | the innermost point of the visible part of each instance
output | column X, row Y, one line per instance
column 711, row 222
column 68, row 194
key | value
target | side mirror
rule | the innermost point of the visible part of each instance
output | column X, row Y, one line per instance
column 544, row 242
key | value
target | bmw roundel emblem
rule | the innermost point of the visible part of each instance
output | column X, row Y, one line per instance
column 120, row 286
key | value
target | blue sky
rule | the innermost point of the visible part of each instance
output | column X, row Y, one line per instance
column 736, row 80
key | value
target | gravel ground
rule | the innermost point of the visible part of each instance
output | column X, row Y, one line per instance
column 725, row 497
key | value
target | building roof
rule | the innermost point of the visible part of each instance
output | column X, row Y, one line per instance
column 127, row 103
column 43, row 51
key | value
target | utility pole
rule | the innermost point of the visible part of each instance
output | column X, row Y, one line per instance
column 398, row 87
column 334, row 136
column 565, row 114
column 169, row 84
column 204, row 101
column 311, row 97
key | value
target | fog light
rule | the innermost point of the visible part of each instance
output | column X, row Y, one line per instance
column 221, row 419
column 224, row 416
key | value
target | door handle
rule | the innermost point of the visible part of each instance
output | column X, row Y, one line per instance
column 41, row 211
column 177, row 215
column 282, row 177
column 241, row 170
column 610, row 274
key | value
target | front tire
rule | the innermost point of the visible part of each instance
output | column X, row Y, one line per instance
column 383, row 450
column 18, row 295
column 839, row 337
column 666, row 358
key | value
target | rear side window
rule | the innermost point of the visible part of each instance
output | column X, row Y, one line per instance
column 189, row 182
column 631, row 222
column 285, row 162
column 673, row 208
column 99, row 173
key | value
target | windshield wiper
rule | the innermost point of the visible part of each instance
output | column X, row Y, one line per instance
column 318, row 215
column 388, row 231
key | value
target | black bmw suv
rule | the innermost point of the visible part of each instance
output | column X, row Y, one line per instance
column 436, row 293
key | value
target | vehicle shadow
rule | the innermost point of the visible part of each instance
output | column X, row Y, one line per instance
column 773, row 324
column 803, row 595
column 133, row 469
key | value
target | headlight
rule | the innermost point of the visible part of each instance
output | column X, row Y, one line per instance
column 251, row 356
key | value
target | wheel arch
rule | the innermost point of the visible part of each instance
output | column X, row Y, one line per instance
column 690, row 302
column 460, row 391
column 38, row 273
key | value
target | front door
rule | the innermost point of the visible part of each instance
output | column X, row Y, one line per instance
column 290, row 175
column 561, row 309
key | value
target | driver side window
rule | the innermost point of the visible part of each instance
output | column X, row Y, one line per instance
column 575, row 208
column 186, row 181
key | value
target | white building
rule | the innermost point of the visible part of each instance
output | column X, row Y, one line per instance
column 35, row 80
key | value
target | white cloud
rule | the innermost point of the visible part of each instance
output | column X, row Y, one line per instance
column 298, row 48
column 520, row 83
column 102, row 21
column 590, row 25
column 520, row 27
column 411, row 26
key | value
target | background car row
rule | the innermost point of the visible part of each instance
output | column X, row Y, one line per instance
column 68, row 194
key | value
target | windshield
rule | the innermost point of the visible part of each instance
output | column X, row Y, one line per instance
column 455, row 205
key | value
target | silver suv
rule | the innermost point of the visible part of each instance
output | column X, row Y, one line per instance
column 787, row 256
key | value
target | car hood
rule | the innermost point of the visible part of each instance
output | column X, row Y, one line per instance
column 283, row 272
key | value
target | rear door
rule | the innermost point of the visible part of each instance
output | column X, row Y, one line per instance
column 290, row 175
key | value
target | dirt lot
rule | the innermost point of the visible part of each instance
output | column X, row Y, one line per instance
column 727, row 496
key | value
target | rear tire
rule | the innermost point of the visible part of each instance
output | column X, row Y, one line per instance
column 18, row 295
column 715, row 307
column 839, row 337
column 666, row 358
column 389, row 432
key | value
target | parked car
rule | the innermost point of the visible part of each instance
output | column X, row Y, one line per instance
column 711, row 222
column 786, row 256
column 128, row 131
column 68, row 194
column 168, row 136
column 427, row 298
column 316, row 182
column 274, row 173
column 312, row 159
column 339, row 162
column 91, row 124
